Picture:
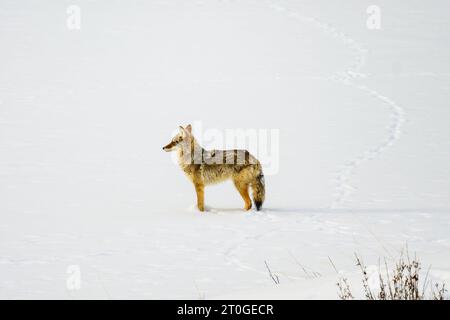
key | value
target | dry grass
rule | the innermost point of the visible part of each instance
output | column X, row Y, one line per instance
column 401, row 283
column 272, row 275
column 344, row 289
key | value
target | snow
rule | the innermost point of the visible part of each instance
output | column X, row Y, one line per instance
column 364, row 144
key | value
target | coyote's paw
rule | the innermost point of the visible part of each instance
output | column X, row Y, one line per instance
column 196, row 208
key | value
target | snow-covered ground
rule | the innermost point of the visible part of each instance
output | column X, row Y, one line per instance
column 87, row 193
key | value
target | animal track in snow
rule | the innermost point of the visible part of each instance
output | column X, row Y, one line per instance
column 349, row 78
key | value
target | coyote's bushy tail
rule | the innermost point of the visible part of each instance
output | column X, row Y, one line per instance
column 259, row 188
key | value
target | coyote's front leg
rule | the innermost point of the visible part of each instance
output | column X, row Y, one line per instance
column 200, row 189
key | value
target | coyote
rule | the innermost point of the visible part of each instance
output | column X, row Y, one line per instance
column 205, row 167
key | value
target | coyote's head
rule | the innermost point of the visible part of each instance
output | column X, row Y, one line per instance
column 181, row 139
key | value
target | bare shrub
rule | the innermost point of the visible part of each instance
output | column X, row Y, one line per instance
column 402, row 283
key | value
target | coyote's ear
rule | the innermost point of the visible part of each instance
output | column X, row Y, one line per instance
column 184, row 132
column 189, row 128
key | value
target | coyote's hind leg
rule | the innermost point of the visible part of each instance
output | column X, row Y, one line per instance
column 243, row 190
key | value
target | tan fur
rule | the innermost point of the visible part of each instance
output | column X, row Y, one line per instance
column 204, row 167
